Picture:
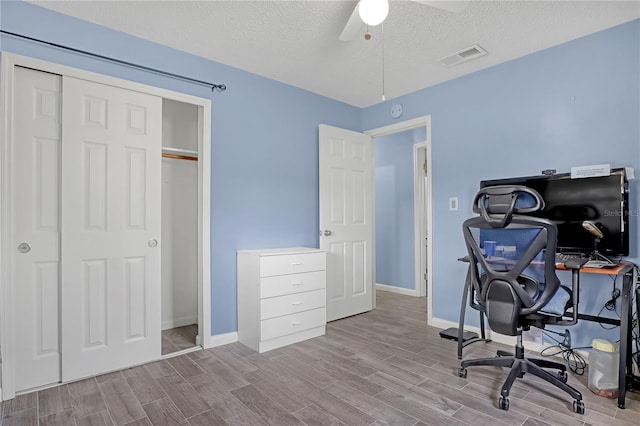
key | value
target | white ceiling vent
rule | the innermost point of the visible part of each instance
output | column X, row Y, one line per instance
column 463, row 55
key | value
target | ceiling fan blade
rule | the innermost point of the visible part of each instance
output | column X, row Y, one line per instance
column 455, row 6
column 354, row 26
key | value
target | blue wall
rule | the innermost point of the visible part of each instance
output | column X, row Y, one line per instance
column 573, row 104
column 264, row 184
column 395, row 251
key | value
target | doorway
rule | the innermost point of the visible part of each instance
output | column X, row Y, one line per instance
column 422, row 223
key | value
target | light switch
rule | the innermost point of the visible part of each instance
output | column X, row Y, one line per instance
column 453, row 203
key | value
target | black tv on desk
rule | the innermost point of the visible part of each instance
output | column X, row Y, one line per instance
column 603, row 201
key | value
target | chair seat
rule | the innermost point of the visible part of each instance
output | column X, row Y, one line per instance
column 558, row 303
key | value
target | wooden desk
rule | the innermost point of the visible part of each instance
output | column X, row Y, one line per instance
column 618, row 270
column 625, row 367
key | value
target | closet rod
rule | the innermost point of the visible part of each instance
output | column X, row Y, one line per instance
column 214, row 87
column 179, row 157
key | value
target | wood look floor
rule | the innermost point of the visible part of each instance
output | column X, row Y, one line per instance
column 385, row 367
column 179, row 338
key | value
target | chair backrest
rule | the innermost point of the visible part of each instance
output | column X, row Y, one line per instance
column 520, row 278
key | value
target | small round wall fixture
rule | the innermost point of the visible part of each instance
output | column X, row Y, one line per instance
column 396, row 111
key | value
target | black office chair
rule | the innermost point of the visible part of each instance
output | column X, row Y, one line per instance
column 519, row 288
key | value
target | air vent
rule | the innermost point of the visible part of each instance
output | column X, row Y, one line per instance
column 463, row 55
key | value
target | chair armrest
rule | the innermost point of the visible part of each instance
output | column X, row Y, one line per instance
column 575, row 295
column 575, row 263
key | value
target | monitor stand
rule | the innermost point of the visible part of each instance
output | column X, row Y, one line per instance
column 596, row 255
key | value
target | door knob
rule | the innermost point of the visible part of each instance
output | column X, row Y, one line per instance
column 152, row 243
column 327, row 232
column 24, row 248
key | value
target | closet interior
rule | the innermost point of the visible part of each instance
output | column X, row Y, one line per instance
column 179, row 226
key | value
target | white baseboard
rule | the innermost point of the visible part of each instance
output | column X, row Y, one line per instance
column 220, row 339
column 178, row 322
column 399, row 290
column 500, row 338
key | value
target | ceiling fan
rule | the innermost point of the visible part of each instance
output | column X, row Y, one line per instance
column 373, row 12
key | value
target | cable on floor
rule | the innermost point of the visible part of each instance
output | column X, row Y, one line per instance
column 574, row 361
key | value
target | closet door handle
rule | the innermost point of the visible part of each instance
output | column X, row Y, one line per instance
column 153, row 243
column 24, row 248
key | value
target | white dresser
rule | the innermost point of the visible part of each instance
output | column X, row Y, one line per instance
column 282, row 296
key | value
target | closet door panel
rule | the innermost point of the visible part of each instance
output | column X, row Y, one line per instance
column 136, row 202
column 111, row 217
column 136, row 284
column 35, row 228
column 94, row 186
column 94, row 303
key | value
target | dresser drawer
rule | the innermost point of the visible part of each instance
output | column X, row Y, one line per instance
column 294, row 283
column 292, row 303
column 281, row 326
column 292, row 263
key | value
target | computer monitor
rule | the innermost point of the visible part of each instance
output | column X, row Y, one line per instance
column 602, row 201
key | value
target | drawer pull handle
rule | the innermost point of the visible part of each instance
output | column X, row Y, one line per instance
column 297, row 283
column 296, row 263
column 296, row 323
column 296, row 303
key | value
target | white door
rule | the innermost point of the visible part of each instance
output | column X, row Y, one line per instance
column 346, row 219
column 35, row 243
column 110, row 228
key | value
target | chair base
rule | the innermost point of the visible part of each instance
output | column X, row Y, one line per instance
column 519, row 367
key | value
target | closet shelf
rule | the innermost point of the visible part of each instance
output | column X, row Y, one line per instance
column 179, row 154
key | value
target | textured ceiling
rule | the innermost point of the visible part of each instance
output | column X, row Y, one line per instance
column 296, row 42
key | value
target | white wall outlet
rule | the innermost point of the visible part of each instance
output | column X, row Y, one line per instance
column 453, row 203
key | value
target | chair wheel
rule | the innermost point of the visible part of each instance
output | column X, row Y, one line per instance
column 578, row 407
column 503, row 403
column 462, row 372
column 562, row 376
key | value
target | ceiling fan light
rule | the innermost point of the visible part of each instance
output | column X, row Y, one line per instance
column 373, row 12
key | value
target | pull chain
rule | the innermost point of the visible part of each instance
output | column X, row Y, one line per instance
column 383, row 97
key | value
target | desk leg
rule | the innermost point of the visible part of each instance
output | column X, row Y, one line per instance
column 463, row 307
column 625, row 339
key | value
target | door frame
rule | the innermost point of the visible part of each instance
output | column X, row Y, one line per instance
column 421, row 196
column 8, row 62
column 402, row 126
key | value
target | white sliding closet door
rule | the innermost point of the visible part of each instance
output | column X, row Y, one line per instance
column 35, row 226
column 111, row 191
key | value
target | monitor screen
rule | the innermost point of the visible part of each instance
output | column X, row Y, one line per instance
column 602, row 200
